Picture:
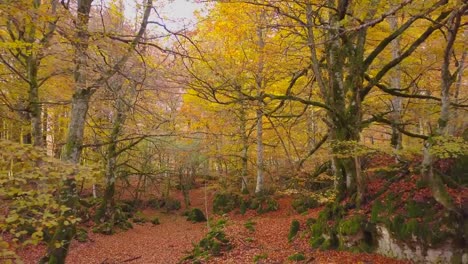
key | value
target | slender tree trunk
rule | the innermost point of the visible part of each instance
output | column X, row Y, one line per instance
column 260, row 177
column 35, row 112
column 260, row 82
column 106, row 212
column 245, row 147
column 395, row 80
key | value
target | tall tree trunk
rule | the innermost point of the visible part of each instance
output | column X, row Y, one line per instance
column 72, row 151
column 35, row 112
column 106, row 212
column 260, row 82
column 395, row 80
column 260, row 177
column 245, row 146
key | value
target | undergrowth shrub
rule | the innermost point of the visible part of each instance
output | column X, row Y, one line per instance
column 213, row 244
column 293, row 230
column 225, row 202
column 303, row 203
column 250, row 225
column 297, row 257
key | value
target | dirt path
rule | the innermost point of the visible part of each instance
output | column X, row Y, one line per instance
column 164, row 243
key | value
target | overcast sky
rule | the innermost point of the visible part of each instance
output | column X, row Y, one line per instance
column 176, row 14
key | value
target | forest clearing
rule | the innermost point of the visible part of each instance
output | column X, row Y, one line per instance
column 250, row 131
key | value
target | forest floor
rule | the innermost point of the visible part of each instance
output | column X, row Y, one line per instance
column 169, row 241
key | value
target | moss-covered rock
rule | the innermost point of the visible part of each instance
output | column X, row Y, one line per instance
column 196, row 215
column 225, row 202
column 213, row 244
column 352, row 225
column 316, row 242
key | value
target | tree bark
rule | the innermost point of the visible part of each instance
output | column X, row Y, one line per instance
column 260, row 82
column 395, row 80
column 436, row 184
column 245, row 146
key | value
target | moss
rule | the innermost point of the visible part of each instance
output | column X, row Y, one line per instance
column 259, row 257
column 266, row 204
column 196, row 215
column 409, row 229
column 213, row 244
column 329, row 244
column 331, row 211
column 304, row 203
column 414, row 209
column 391, row 203
column 317, row 229
column 316, row 242
column 377, row 208
column 250, row 225
column 421, row 184
column 249, row 239
column 296, row 257
column 293, row 230
column 244, row 206
column 310, row 222
column 351, row 226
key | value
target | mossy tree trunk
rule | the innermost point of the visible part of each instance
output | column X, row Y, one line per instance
column 345, row 71
column 72, row 150
column 395, row 80
column 106, row 212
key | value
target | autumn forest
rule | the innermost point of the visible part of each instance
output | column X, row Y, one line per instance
column 266, row 131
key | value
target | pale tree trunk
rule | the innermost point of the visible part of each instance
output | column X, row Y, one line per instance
column 461, row 68
column 395, row 80
column 82, row 94
column 260, row 82
column 260, row 177
column 245, row 146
